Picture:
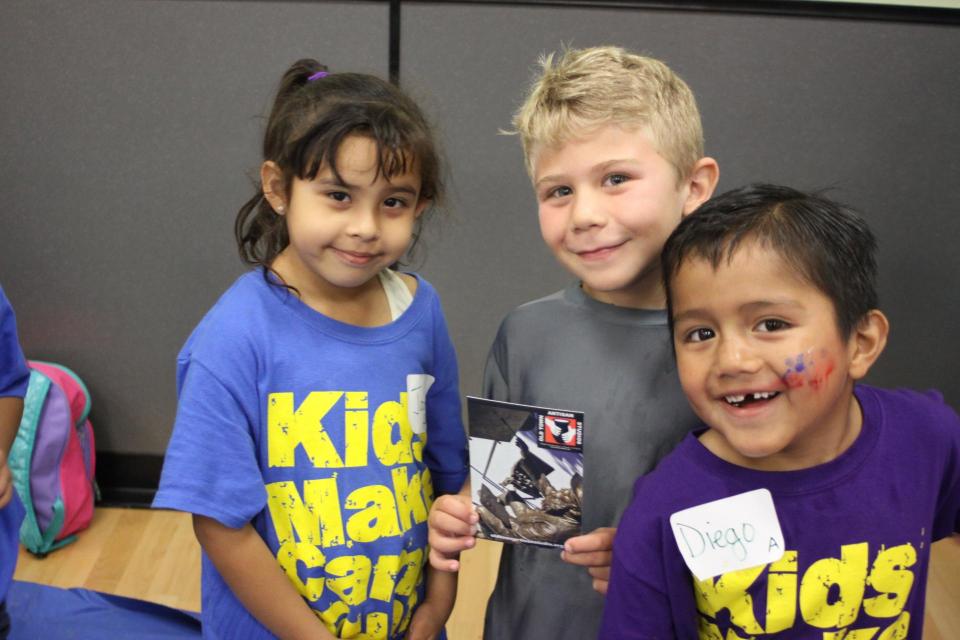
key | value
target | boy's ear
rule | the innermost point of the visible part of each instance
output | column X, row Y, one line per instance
column 271, row 180
column 867, row 343
column 701, row 183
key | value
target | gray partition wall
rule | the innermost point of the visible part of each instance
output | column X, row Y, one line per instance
column 130, row 129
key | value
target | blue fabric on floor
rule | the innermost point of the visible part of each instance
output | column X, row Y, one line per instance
column 38, row 611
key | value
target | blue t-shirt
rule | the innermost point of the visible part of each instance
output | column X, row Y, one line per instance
column 14, row 377
column 330, row 439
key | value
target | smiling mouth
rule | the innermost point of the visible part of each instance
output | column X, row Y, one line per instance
column 356, row 258
column 599, row 252
column 743, row 400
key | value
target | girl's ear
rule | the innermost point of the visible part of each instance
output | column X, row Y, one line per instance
column 867, row 343
column 271, row 180
column 422, row 205
column 701, row 183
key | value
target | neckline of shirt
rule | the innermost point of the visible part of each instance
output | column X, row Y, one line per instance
column 801, row 481
column 344, row 331
column 574, row 294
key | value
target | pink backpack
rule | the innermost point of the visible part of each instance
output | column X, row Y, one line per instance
column 52, row 459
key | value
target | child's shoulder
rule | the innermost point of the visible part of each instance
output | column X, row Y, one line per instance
column 416, row 284
column 535, row 308
column 247, row 294
column 923, row 416
column 236, row 314
column 680, row 480
column 531, row 316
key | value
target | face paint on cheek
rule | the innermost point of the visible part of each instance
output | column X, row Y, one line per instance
column 820, row 373
column 804, row 370
column 795, row 375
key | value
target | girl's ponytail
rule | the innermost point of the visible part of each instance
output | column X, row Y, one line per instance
column 293, row 80
column 261, row 233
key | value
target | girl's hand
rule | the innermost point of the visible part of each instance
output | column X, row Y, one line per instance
column 429, row 618
column 452, row 525
column 594, row 551
column 427, row 621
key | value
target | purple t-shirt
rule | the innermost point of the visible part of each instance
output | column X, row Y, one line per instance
column 857, row 531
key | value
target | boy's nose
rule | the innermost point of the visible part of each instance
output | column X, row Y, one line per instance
column 586, row 212
column 735, row 357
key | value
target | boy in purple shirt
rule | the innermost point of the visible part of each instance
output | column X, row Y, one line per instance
column 773, row 311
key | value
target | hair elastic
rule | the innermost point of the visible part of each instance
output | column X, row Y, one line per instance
column 318, row 75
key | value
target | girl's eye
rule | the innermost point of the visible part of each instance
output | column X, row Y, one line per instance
column 772, row 324
column 700, row 334
column 395, row 203
column 615, row 179
column 559, row 192
column 339, row 196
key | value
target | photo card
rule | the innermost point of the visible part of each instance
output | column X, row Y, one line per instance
column 526, row 471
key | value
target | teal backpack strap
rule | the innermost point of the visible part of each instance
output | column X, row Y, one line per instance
column 21, row 454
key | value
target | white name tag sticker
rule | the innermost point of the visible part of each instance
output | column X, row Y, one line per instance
column 418, row 384
column 729, row 534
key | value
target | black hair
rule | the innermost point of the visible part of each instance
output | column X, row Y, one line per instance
column 312, row 114
column 827, row 243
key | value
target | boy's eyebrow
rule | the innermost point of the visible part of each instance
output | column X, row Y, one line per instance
column 759, row 305
column 553, row 178
column 599, row 167
column 689, row 313
column 754, row 306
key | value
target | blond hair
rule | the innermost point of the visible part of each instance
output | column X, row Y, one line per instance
column 589, row 88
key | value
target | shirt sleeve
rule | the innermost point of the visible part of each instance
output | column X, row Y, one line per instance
column 14, row 374
column 638, row 604
column 446, row 450
column 495, row 383
column 947, row 519
column 211, row 466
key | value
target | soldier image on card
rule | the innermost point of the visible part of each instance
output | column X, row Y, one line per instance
column 526, row 471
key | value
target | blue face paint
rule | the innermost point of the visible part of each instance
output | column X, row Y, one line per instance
column 798, row 365
column 815, row 376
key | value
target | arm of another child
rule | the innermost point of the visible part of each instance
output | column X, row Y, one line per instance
column 452, row 528
column 246, row 564
column 14, row 377
column 594, row 551
column 11, row 408
column 432, row 614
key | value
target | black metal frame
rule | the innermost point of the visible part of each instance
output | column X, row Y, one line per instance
column 788, row 8
column 805, row 8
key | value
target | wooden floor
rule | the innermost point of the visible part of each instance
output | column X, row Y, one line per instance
column 152, row 555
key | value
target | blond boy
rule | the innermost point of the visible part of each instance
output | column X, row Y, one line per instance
column 614, row 147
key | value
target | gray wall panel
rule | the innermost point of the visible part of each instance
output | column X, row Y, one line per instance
column 867, row 108
column 129, row 130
